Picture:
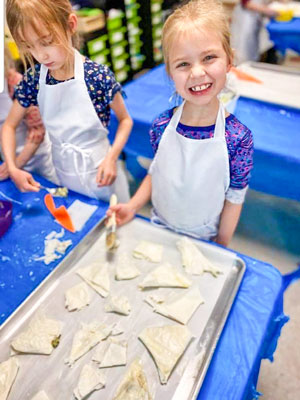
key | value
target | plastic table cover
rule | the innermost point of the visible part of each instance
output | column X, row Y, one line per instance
column 285, row 35
column 251, row 330
column 275, row 129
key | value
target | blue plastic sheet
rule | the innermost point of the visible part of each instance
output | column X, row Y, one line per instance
column 285, row 35
column 24, row 240
column 250, row 334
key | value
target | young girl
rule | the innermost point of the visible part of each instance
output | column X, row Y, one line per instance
column 75, row 96
column 203, row 155
column 33, row 147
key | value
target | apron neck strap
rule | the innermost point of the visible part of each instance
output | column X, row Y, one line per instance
column 78, row 68
column 219, row 125
column 220, row 122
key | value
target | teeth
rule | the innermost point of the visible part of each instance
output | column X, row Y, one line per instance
column 199, row 88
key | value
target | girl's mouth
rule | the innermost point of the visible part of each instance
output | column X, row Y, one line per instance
column 197, row 89
column 49, row 64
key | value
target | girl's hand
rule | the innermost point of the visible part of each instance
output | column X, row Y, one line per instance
column 3, row 172
column 36, row 134
column 124, row 213
column 24, row 181
column 107, row 172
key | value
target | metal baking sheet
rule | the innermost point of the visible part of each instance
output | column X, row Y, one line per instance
column 50, row 373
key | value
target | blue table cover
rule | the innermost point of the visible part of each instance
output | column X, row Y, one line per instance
column 20, row 274
column 276, row 132
column 251, row 330
column 285, row 35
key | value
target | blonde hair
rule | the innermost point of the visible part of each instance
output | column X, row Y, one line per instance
column 196, row 15
column 8, row 61
column 54, row 15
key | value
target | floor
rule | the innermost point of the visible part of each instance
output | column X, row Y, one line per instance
column 269, row 230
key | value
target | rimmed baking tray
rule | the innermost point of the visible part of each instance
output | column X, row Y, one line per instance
column 50, row 373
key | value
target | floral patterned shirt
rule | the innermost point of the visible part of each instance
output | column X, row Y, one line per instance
column 100, row 81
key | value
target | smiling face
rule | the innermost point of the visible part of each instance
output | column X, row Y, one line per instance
column 198, row 65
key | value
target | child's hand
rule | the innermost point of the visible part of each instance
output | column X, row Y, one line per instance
column 124, row 213
column 107, row 172
column 36, row 134
column 24, row 181
column 3, row 172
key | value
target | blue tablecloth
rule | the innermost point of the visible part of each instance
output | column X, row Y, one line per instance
column 251, row 330
column 285, row 35
column 276, row 131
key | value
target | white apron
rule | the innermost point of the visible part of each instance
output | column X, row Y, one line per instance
column 41, row 161
column 79, row 139
column 189, row 179
column 245, row 32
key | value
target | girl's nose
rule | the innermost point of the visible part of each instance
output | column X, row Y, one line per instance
column 197, row 70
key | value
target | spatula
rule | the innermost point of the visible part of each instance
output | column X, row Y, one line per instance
column 56, row 192
column 60, row 213
column 111, row 225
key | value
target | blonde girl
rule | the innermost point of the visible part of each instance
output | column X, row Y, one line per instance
column 203, row 155
column 33, row 147
column 75, row 96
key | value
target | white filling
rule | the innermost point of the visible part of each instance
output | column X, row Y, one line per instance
column 54, row 248
column 165, row 276
column 149, row 251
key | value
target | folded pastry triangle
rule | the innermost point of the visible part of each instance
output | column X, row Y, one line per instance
column 166, row 344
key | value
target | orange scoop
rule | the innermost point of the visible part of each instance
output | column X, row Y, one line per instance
column 244, row 76
column 60, row 214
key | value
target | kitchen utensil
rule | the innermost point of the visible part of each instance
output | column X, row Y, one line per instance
column 111, row 225
column 57, row 192
column 60, row 213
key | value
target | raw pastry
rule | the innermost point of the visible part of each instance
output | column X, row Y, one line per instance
column 54, row 248
column 118, row 304
column 166, row 345
column 111, row 353
column 193, row 260
column 77, row 297
column 165, row 276
column 134, row 384
column 41, row 336
column 40, row 396
column 86, row 338
column 8, row 373
column 125, row 268
column 149, row 251
column 90, row 379
column 177, row 306
column 96, row 275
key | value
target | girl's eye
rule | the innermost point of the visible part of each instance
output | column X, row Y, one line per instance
column 182, row 64
column 47, row 41
column 209, row 57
